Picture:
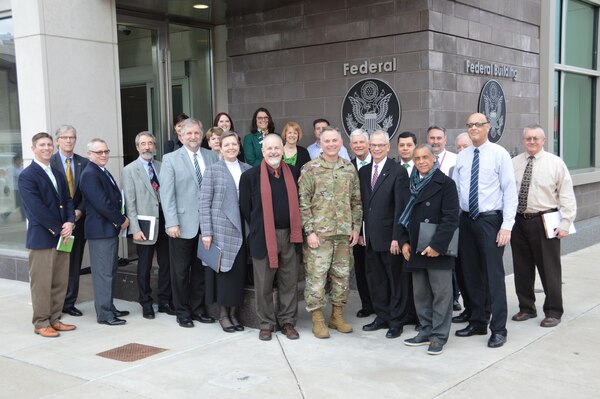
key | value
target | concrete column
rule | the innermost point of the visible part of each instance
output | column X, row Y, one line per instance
column 68, row 71
column 220, row 69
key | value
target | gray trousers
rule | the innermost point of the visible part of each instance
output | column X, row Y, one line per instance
column 433, row 301
column 104, row 262
column 287, row 284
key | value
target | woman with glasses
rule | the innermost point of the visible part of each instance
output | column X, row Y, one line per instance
column 262, row 124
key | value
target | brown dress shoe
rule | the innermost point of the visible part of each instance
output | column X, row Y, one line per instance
column 289, row 331
column 47, row 332
column 522, row 316
column 60, row 326
column 264, row 334
column 550, row 322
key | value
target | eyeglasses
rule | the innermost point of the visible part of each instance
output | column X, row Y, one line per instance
column 378, row 145
column 105, row 152
column 68, row 138
column 262, row 118
column 533, row 139
column 476, row 124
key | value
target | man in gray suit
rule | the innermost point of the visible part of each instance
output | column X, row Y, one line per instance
column 141, row 186
column 181, row 177
column 70, row 165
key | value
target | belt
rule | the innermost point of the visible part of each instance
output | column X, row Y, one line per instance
column 535, row 214
column 481, row 214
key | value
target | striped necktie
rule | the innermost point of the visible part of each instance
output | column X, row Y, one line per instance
column 375, row 176
column 197, row 167
column 474, row 187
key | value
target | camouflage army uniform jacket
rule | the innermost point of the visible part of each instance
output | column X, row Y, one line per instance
column 330, row 203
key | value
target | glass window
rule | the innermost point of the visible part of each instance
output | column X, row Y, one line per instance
column 578, row 124
column 557, row 38
column 12, row 216
column 556, row 136
column 580, row 34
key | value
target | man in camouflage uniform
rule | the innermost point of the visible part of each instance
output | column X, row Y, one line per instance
column 331, row 211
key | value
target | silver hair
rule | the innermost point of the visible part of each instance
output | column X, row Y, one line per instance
column 534, row 126
column 463, row 135
column 429, row 148
column 359, row 132
column 94, row 141
column 63, row 129
column 144, row 133
column 274, row 135
column 382, row 133
column 190, row 122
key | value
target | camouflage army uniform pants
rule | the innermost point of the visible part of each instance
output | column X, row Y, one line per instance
column 330, row 263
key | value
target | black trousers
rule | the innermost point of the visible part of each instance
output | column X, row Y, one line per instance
column 75, row 260
column 145, row 257
column 187, row 276
column 483, row 269
column 531, row 248
column 390, row 287
column 361, row 276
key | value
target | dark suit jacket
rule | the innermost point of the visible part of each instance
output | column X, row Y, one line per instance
column 383, row 205
column 103, row 203
column 436, row 203
column 303, row 157
column 80, row 163
column 251, row 207
column 46, row 208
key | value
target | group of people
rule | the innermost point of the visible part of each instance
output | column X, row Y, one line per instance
column 288, row 207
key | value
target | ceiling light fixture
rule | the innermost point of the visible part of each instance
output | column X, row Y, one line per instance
column 200, row 6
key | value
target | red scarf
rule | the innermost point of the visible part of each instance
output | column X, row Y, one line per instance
column 268, row 216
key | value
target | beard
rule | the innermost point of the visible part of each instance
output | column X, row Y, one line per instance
column 146, row 155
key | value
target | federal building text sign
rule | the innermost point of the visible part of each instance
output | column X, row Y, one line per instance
column 371, row 104
column 490, row 69
column 367, row 67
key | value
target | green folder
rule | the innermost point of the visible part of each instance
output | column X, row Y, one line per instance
column 61, row 246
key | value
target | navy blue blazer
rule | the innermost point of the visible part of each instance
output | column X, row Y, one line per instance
column 103, row 200
column 80, row 163
column 46, row 208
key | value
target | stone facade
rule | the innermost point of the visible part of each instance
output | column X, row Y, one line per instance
column 291, row 59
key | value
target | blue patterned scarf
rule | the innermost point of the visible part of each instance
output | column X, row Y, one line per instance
column 416, row 185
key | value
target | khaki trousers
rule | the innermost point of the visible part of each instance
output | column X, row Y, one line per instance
column 48, row 279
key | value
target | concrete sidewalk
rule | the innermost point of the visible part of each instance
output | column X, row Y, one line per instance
column 204, row 362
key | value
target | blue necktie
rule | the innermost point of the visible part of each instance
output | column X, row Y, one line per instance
column 474, row 187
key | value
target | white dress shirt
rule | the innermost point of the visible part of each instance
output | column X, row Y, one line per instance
column 497, row 188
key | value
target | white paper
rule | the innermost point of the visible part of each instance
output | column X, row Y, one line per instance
column 552, row 221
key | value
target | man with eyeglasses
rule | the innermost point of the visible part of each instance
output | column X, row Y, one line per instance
column 384, row 190
column 488, row 202
column 545, row 186
column 104, row 222
column 71, row 165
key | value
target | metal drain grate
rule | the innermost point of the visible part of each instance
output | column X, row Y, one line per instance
column 131, row 352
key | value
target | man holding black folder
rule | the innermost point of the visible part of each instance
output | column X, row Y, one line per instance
column 545, row 186
column 141, row 186
column 433, row 200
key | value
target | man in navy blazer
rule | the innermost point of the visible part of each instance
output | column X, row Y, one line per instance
column 63, row 160
column 103, row 223
column 49, row 209
column 384, row 189
column 181, row 178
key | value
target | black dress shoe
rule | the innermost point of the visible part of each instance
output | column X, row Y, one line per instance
column 72, row 311
column 471, row 330
column 166, row 308
column 496, row 340
column 394, row 332
column 115, row 321
column 461, row 318
column 364, row 312
column 185, row 322
column 375, row 325
column 203, row 318
column 148, row 312
column 121, row 313
column 456, row 306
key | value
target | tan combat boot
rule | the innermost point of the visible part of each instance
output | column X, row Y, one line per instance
column 319, row 328
column 337, row 320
